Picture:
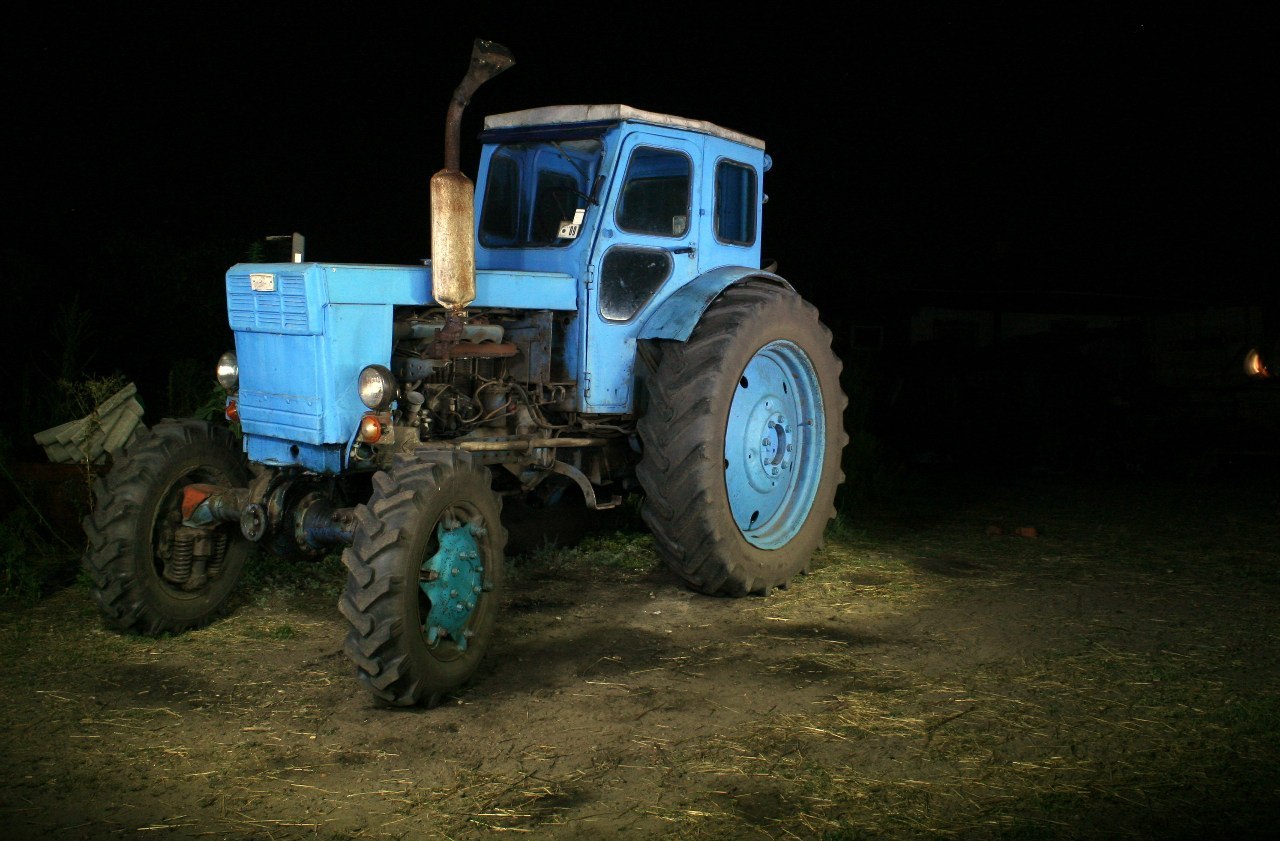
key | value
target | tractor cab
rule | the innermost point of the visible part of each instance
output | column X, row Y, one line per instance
column 635, row 205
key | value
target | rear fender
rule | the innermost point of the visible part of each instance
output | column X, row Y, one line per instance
column 676, row 317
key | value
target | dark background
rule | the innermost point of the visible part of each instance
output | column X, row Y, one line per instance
column 1075, row 159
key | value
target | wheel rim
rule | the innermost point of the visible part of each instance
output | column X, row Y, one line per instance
column 774, row 443
column 451, row 582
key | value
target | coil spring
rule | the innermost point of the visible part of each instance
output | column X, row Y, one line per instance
column 178, row 569
column 217, row 552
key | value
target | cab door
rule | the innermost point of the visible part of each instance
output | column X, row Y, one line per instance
column 646, row 248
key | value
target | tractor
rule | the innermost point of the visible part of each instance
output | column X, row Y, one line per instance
column 594, row 322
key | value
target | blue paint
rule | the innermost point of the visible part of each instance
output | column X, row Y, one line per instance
column 775, row 439
column 304, row 331
column 303, row 337
column 676, row 317
column 601, row 352
column 300, row 354
column 281, row 452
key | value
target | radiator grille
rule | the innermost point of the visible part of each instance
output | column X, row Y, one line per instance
column 284, row 310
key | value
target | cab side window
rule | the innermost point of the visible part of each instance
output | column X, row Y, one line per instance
column 735, row 203
column 655, row 194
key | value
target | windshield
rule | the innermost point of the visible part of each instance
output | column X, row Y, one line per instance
column 534, row 191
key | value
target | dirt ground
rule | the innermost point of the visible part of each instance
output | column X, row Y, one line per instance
column 1111, row 674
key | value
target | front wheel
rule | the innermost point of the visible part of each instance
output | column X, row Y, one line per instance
column 742, row 442
column 149, row 573
column 425, row 574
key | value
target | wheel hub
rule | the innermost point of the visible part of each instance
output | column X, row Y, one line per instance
column 775, row 451
column 452, row 579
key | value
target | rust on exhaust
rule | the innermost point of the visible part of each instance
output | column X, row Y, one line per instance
column 453, row 260
column 488, row 59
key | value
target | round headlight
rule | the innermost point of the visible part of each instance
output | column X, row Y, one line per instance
column 377, row 387
column 228, row 371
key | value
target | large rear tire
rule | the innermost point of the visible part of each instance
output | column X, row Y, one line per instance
column 742, row 441
column 425, row 576
column 137, row 509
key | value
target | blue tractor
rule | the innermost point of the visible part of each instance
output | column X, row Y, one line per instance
column 594, row 317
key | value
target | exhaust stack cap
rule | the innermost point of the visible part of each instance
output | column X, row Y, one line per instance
column 488, row 59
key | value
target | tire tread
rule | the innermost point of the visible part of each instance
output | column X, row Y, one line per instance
column 680, row 439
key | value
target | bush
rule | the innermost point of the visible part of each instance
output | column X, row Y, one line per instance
column 19, row 575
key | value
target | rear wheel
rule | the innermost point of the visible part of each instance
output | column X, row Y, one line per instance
column 150, row 574
column 742, row 442
column 425, row 573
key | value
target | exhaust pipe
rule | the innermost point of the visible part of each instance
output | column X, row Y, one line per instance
column 453, row 247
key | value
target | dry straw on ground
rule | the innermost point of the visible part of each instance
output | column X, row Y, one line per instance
column 1115, row 677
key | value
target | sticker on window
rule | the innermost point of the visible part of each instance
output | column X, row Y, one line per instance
column 570, row 230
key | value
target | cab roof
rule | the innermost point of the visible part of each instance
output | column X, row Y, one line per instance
column 572, row 114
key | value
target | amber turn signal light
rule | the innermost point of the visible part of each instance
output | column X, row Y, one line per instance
column 370, row 429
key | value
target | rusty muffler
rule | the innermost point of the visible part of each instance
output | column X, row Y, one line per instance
column 453, row 247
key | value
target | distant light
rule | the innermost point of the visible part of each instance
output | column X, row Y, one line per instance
column 1254, row 366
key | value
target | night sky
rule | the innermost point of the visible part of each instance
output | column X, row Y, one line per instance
column 1117, row 151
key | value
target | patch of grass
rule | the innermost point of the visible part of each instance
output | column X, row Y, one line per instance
column 629, row 551
column 625, row 552
column 265, row 574
column 284, row 631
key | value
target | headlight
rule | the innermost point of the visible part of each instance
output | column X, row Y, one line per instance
column 377, row 387
column 228, row 371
